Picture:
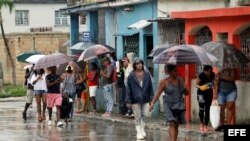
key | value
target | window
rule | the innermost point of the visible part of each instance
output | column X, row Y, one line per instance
column 22, row 17
column 60, row 19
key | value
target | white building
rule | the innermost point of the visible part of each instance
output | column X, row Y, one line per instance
column 37, row 16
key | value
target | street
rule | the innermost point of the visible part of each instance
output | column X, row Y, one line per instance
column 14, row 129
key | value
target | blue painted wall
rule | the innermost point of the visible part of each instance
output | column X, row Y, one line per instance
column 126, row 18
column 74, row 29
column 92, row 25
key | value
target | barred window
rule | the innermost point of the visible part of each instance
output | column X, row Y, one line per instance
column 60, row 19
column 22, row 17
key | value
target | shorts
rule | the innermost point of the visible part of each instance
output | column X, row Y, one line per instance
column 54, row 99
column 39, row 92
column 227, row 96
column 92, row 91
column 29, row 96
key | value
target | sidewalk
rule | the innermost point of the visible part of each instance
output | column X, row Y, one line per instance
column 156, row 124
column 13, row 99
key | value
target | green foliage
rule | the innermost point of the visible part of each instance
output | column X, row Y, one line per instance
column 12, row 91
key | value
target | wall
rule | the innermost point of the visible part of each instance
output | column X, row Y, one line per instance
column 40, row 15
column 126, row 18
column 168, row 6
column 21, row 42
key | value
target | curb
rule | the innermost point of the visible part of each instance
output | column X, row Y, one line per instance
column 12, row 99
column 156, row 125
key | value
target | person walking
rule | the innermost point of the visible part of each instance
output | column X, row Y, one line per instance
column 29, row 93
column 204, row 83
column 173, row 102
column 40, row 90
column 226, row 94
column 69, row 89
column 54, row 98
column 139, row 93
column 106, row 74
column 93, row 82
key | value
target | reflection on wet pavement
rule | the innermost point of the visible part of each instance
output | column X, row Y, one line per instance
column 14, row 129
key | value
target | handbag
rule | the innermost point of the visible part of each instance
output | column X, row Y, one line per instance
column 80, row 87
column 215, row 114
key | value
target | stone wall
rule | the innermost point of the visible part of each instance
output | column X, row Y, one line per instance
column 45, row 43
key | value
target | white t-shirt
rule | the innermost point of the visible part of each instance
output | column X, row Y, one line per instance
column 40, row 84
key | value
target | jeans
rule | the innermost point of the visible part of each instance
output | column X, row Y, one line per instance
column 229, row 95
column 140, row 112
column 107, row 91
column 73, row 96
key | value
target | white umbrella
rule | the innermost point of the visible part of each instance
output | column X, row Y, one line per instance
column 34, row 58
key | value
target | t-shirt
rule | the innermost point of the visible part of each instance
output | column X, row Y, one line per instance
column 204, row 80
column 50, row 78
column 93, row 82
column 108, row 70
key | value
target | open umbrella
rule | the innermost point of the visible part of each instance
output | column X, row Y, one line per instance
column 227, row 54
column 61, row 68
column 93, row 52
column 34, row 58
column 185, row 54
column 81, row 46
column 23, row 56
column 52, row 60
column 160, row 48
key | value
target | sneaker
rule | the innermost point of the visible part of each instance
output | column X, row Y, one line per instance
column 59, row 124
column 49, row 122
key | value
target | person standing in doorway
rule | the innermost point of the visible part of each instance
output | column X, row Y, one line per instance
column 173, row 102
column 139, row 93
column 204, row 83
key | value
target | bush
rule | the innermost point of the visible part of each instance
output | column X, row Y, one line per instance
column 12, row 91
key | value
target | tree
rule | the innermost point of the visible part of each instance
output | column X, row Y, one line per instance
column 8, row 4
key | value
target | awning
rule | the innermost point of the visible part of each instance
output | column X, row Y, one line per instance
column 130, row 33
column 139, row 25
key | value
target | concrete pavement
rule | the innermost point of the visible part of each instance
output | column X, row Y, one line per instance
column 155, row 124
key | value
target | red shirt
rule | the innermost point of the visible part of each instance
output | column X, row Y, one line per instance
column 94, row 82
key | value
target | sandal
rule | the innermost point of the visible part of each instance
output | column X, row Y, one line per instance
column 43, row 117
column 40, row 119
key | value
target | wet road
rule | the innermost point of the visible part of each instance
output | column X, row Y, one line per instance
column 14, row 129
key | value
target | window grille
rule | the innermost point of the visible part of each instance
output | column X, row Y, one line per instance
column 245, row 48
column 22, row 17
column 60, row 19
